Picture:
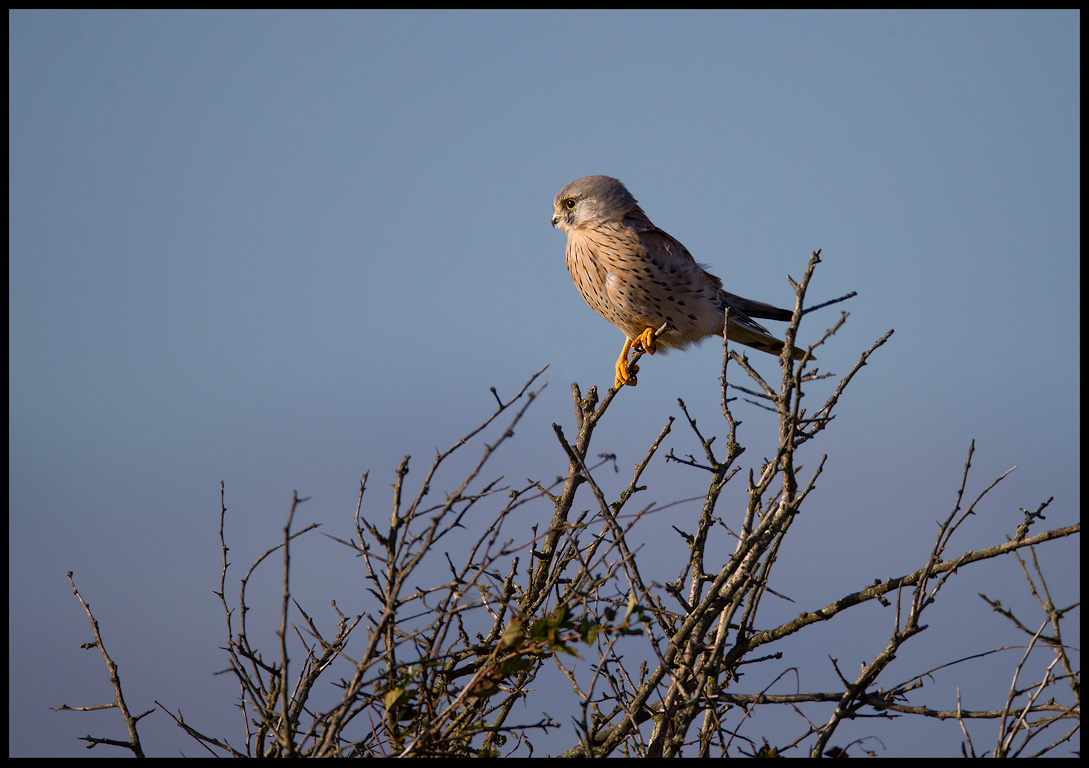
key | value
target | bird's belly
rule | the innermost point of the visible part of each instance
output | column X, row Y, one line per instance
column 635, row 305
column 640, row 297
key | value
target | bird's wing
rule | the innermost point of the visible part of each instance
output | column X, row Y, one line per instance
column 663, row 245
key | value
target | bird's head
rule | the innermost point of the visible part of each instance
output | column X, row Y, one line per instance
column 589, row 201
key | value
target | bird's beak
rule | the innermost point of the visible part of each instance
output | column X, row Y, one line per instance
column 555, row 218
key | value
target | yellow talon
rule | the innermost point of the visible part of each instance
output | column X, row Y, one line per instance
column 625, row 372
column 646, row 341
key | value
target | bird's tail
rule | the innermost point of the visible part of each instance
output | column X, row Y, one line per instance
column 758, row 338
column 744, row 330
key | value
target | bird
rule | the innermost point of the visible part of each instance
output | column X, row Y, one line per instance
column 638, row 277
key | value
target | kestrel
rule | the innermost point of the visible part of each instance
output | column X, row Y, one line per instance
column 637, row 277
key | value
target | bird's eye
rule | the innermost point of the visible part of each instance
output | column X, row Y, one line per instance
column 569, row 203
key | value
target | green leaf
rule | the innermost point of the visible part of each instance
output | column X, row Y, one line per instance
column 514, row 634
column 517, row 664
column 395, row 697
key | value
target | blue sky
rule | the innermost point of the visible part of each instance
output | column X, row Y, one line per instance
column 281, row 249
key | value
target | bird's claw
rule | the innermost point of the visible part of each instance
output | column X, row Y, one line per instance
column 625, row 371
column 646, row 341
column 625, row 374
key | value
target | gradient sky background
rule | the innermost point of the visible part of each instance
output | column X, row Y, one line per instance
column 281, row 249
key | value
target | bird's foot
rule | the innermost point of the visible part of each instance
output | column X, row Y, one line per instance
column 625, row 374
column 625, row 371
column 646, row 341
